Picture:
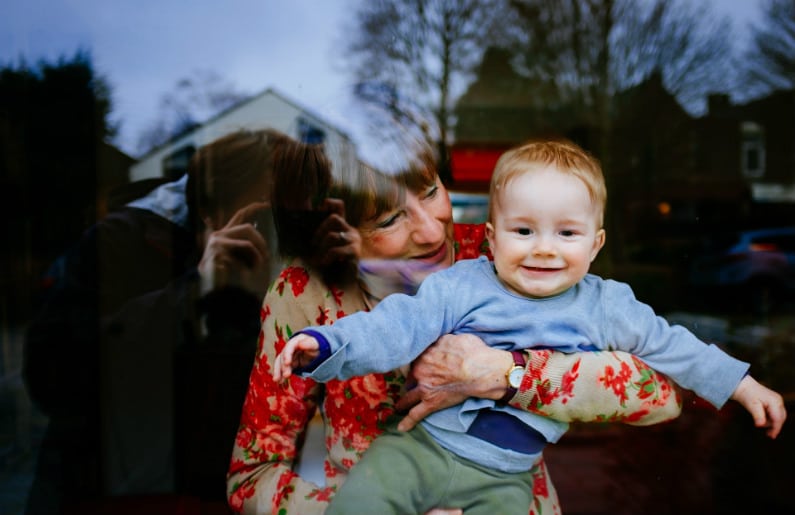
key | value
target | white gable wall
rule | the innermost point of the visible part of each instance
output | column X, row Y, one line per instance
column 268, row 110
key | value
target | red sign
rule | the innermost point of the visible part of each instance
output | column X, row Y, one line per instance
column 472, row 164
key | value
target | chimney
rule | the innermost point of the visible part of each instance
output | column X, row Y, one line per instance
column 717, row 103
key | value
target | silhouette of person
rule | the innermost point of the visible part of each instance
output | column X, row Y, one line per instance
column 117, row 354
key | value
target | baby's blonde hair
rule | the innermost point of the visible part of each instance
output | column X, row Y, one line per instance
column 565, row 156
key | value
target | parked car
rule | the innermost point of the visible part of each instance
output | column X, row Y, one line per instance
column 758, row 265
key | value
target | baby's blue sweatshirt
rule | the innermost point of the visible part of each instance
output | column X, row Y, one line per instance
column 468, row 298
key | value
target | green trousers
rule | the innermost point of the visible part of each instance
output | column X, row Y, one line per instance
column 409, row 474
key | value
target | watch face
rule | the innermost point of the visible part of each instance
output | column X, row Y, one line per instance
column 515, row 377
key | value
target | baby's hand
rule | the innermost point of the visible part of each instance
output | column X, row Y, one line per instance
column 299, row 351
column 764, row 405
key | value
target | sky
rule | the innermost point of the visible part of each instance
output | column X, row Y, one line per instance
column 143, row 47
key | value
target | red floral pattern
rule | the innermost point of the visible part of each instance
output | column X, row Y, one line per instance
column 297, row 277
column 471, row 242
column 275, row 416
column 636, row 394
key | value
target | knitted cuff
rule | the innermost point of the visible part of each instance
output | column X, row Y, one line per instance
column 540, row 376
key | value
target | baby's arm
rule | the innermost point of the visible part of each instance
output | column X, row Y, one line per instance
column 299, row 351
column 764, row 405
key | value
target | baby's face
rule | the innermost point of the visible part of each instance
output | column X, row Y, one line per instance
column 544, row 233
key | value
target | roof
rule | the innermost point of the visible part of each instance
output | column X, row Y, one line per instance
column 240, row 105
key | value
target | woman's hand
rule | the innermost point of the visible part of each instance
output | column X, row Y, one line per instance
column 449, row 371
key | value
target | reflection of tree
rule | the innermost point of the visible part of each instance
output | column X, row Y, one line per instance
column 54, row 120
column 193, row 100
column 604, row 73
column 580, row 53
column 53, row 128
column 771, row 55
column 407, row 56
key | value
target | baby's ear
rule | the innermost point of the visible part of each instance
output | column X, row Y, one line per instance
column 490, row 233
column 598, row 243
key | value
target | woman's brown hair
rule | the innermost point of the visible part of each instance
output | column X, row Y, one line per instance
column 302, row 180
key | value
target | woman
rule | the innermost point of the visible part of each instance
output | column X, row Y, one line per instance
column 405, row 233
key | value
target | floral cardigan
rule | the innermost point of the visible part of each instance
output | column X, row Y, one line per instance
column 598, row 386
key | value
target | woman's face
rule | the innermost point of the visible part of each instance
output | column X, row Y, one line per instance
column 421, row 229
column 256, row 192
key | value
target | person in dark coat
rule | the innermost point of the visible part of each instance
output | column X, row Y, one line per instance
column 141, row 349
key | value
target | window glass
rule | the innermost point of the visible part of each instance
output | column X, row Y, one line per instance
column 128, row 333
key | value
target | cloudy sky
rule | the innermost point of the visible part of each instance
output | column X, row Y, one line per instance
column 143, row 47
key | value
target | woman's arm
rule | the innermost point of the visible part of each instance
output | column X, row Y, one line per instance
column 275, row 416
column 586, row 386
column 601, row 386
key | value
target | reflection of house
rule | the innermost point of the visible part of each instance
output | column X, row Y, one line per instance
column 498, row 110
column 669, row 174
column 112, row 171
column 269, row 109
column 758, row 142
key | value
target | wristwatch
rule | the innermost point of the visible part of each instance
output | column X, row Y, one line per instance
column 514, row 376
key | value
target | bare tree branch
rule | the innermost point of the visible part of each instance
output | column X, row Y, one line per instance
column 771, row 56
column 193, row 100
column 410, row 59
column 594, row 48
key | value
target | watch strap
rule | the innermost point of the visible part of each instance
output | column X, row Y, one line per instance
column 518, row 361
